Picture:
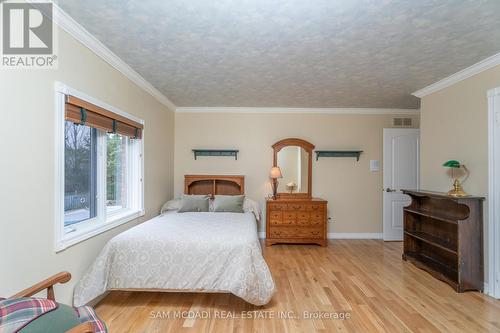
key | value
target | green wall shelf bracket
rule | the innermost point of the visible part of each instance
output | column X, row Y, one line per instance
column 215, row 152
column 338, row 153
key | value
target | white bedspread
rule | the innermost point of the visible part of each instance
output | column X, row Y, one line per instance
column 193, row 251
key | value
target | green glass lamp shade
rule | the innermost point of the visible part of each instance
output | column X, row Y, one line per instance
column 457, row 190
column 452, row 164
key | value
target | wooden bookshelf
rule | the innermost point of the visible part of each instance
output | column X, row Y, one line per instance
column 444, row 236
column 441, row 243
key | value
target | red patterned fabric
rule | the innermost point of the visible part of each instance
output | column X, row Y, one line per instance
column 86, row 313
column 16, row 313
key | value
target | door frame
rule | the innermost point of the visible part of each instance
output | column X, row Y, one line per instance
column 493, row 202
column 384, row 169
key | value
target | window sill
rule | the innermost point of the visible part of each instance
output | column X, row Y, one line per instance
column 90, row 231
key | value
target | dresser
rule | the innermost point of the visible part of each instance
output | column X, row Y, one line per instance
column 296, row 221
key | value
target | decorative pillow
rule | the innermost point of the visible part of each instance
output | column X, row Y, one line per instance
column 35, row 315
column 86, row 313
column 250, row 206
column 194, row 203
column 60, row 320
column 16, row 313
column 63, row 319
column 174, row 204
column 229, row 203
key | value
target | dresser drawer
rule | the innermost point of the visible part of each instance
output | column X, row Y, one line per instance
column 296, row 206
column 303, row 218
column 289, row 217
column 317, row 218
column 278, row 206
column 314, row 207
column 275, row 217
column 297, row 232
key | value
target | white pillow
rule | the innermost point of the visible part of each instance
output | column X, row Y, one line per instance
column 170, row 205
column 252, row 206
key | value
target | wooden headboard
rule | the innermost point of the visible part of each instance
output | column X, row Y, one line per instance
column 214, row 184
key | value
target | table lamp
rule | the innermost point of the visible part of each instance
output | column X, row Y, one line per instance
column 457, row 190
column 274, row 174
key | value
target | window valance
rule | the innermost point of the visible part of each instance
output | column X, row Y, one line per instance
column 82, row 112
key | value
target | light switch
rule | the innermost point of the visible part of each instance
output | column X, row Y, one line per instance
column 374, row 165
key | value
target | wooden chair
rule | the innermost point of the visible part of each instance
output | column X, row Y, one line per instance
column 48, row 284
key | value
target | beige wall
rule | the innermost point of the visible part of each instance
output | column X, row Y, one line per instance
column 454, row 125
column 27, row 163
column 354, row 193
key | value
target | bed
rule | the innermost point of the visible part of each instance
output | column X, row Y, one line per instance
column 192, row 252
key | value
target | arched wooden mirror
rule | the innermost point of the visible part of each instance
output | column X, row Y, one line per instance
column 294, row 159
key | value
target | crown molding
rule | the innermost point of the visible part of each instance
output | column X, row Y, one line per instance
column 365, row 111
column 459, row 76
column 68, row 24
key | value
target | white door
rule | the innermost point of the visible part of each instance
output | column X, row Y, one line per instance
column 401, row 171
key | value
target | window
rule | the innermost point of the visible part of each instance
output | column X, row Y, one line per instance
column 99, row 173
column 80, row 164
column 116, row 172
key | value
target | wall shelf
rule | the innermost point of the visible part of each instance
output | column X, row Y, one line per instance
column 215, row 152
column 338, row 153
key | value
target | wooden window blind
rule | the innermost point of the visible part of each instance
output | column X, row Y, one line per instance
column 81, row 112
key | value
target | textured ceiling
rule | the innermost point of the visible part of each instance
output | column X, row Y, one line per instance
column 293, row 53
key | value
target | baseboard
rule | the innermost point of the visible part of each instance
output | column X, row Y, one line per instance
column 343, row 235
column 354, row 235
column 96, row 300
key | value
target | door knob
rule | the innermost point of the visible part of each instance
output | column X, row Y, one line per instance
column 389, row 190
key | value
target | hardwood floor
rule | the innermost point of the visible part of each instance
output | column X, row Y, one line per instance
column 363, row 280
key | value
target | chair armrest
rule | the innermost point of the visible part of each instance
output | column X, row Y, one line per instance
column 48, row 284
column 82, row 328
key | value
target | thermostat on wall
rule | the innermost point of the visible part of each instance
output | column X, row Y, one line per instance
column 374, row 165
